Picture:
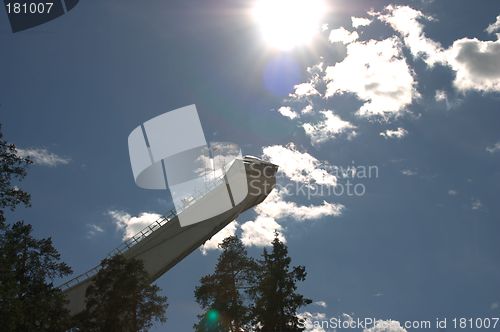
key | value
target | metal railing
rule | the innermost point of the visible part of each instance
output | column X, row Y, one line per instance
column 142, row 234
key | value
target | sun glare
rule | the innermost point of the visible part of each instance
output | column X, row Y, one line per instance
column 286, row 24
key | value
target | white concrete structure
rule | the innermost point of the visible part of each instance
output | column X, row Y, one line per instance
column 166, row 242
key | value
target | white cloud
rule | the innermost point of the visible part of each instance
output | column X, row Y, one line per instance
column 377, row 73
column 441, row 95
column 360, row 21
column 315, row 71
column 307, row 110
column 213, row 243
column 288, row 112
column 494, row 148
column 132, row 225
column 320, row 303
column 274, row 206
column 93, row 230
column 452, row 192
column 298, row 166
column 476, row 204
column 43, row 157
column 476, row 63
column 305, row 89
column 408, row 172
column 260, row 232
column 398, row 133
column 331, row 126
column 386, row 326
column 343, row 36
column 494, row 27
column 406, row 21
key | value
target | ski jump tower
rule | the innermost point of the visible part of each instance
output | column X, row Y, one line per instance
column 210, row 187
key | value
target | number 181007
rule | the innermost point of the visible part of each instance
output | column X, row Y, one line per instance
column 29, row 8
column 475, row 323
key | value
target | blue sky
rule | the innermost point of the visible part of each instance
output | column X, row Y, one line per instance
column 413, row 90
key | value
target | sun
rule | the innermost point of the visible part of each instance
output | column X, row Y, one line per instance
column 286, row 24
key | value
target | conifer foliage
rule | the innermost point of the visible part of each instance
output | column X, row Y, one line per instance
column 122, row 299
column 28, row 266
column 223, row 295
column 275, row 294
column 244, row 294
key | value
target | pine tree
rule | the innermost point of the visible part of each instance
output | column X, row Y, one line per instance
column 223, row 294
column 12, row 169
column 28, row 299
column 122, row 299
column 276, row 297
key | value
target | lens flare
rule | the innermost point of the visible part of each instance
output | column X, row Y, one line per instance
column 212, row 316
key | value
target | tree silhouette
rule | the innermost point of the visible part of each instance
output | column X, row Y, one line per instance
column 223, row 294
column 28, row 299
column 275, row 295
column 12, row 169
column 122, row 299
column 245, row 295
